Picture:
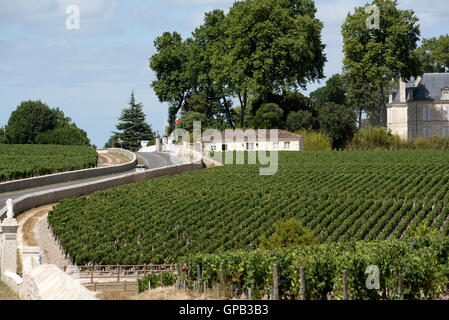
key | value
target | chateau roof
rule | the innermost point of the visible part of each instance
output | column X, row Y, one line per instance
column 429, row 89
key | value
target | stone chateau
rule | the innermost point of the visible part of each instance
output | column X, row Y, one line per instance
column 420, row 108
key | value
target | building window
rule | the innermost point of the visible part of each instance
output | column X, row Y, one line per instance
column 445, row 132
column 249, row 146
column 426, row 132
column 426, row 113
column 286, row 145
column 224, row 147
column 213, row 147
column 445, row 113
column 275, row 145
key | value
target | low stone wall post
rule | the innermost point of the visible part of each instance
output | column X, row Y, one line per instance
column 9, row 242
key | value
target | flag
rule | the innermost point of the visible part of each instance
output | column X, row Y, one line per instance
column 176, row 121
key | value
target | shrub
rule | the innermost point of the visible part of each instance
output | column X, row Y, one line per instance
column 380, row 138
column 373, row 138
column 288, row 234
column 315, row 141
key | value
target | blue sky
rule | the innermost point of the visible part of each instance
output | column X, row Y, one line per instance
column 89, row 73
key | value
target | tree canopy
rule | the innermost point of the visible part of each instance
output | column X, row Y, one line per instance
column 259, row 48
column 434, row 53
column 339, row 123
column 35, row 122
column 376, row 56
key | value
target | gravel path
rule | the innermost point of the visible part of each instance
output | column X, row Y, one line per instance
column 49, row 248
column 42, row 236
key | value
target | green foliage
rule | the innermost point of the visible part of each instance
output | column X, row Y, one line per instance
column 289, row 233
column 133, row 126
column 434, row 53
column 26, row 161
column 164, row 279
column 170, row 64
column 260, row 47
column 423, row 270
column 422, row 230
column 300, row 120
column 269, row 116
column 380, row 138
column 187, row 119
column 68, row 135
column 35, row 122
column 112, row 142
column 333, row 92
column 339, row 123
column 28, row 120
column 372, row 138
column 375, row 56
column 151, row 143
column 339, row 195
column 2, row 136
column 315, row 141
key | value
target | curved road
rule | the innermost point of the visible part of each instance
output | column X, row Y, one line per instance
column 153, row 160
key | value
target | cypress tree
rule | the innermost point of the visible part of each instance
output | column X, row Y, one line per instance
column 133, row 126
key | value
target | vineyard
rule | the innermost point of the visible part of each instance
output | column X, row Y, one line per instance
column 414, row 269
column 341, row 196
column 25, row 161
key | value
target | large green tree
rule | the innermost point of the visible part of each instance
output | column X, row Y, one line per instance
column 173, row 84
column 434, row 53
column 133, row 126
column 35, row 122
column 205, row 74
column 28, row 120
column 339, row 123
column 271, row 46
column 381, row 54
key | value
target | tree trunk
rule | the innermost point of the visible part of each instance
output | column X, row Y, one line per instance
column 360, row 117
column 242, row 108
column 228, row 112
column 383, row 106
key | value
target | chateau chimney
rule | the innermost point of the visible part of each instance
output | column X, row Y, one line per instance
column 402, row 91
column 418, row 81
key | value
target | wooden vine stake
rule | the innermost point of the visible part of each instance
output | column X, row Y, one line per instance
column 345, row 285
column 302, row 288
column 198, row 272
column 275, row 282
column 250, row 293
column 222, row 276
column 401, row 289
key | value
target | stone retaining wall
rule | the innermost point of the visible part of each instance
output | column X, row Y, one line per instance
column 37, row 199
column 71, row 175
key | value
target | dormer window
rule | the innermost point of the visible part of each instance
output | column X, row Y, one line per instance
column 446, row 95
